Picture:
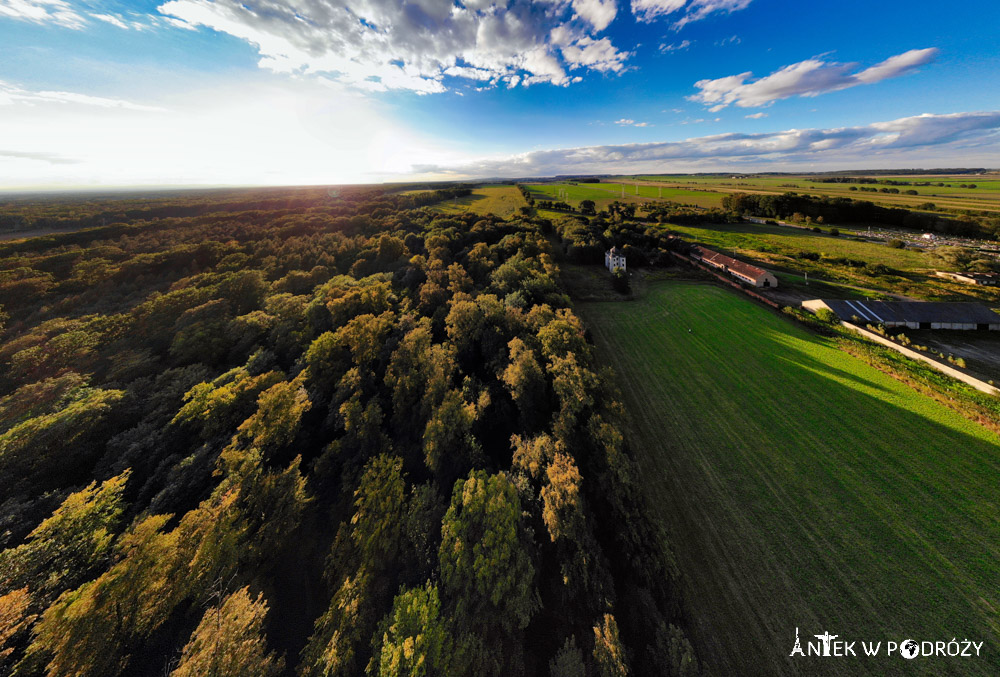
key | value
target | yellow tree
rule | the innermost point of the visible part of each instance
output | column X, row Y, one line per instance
column 230, row 641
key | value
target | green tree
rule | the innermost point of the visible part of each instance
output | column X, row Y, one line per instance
column 486, row 570
column 43, row 450
column 568, row 661
column 417, row 639
column 588, row 207
column 380, row 506
column 64, row 548
column 279, row 414
column 525, row 380
column 450, row 448
column 620, row 282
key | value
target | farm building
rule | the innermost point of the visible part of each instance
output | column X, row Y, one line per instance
column 911, row 314
column 985, row 279
column 614, row 258
column 744, row 272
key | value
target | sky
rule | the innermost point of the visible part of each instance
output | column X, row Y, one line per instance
column 103, row 93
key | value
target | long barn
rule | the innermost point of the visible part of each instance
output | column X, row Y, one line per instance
column 758, row 277
column 911, row 314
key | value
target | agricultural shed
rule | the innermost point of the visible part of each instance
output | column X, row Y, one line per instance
column 911, row 314
column 744, row 272
column 985, row 279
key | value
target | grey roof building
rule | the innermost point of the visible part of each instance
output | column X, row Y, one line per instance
column 911, row 314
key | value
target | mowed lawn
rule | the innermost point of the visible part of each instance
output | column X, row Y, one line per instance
column 803, row 488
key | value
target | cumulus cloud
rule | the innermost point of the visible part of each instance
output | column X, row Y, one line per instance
column 386, row 44
column 56, row 12
column 806, row 78
column 688, row 10
column 11, row 94
column 923, row 133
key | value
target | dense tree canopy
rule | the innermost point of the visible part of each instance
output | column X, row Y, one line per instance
column 316, row 433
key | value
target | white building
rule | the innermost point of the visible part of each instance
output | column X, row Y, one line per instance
column 614, row 258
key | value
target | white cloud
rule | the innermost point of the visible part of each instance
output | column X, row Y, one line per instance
column 599, row 13
column 755, row 116
column 126, row 23
column 690, row 10
column 627, row 122
column 56, row 12
column 386, row 44
column 598, row 55
column 923, row 136
column 111, row 19
column 806, row 78
column 674, row 47
column 10, row 94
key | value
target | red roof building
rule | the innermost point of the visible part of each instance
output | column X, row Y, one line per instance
column 744, row 272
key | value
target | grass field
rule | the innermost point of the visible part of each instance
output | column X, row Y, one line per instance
column 785, row 241
column 502, row 200
column 985, row 196
column 605, row 193
column 779, row 246
column 804, row 488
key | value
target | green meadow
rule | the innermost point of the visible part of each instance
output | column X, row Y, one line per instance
column 803, row 488
column 501, row 200
column 951, row 195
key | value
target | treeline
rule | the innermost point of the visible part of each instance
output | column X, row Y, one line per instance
column 352, row 438
column 844, row 210
column 586, row 240
column 526, row 194
column 61, row 214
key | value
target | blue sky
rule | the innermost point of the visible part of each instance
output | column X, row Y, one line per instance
column 188, row 92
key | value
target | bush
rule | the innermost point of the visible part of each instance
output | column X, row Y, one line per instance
column 826, row 315
column 619, row 280
column 834, row 232
column 896, row 244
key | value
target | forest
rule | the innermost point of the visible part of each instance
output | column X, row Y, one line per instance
column 325, row 433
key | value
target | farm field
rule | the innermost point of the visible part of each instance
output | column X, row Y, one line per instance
column 784, row 240
column 803, row 488
column 985, row 196
column 502, row 200
column 779, row 246
column 605, row 193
